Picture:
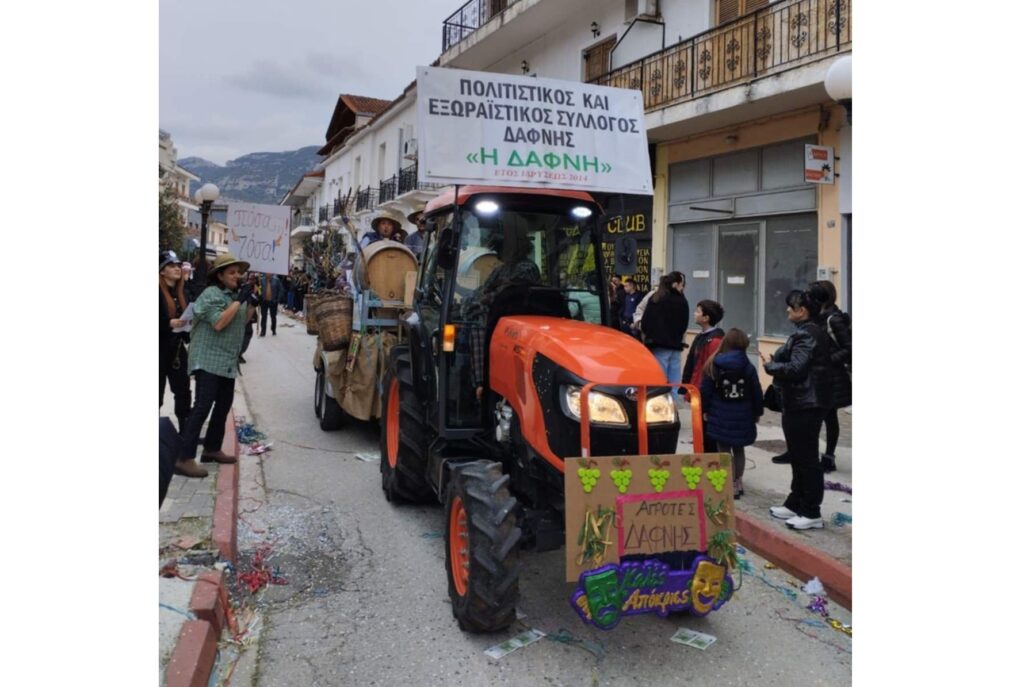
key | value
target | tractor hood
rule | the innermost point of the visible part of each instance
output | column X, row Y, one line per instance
column 593, row 352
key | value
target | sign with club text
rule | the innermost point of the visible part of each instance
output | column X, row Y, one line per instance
column 259, row 235
column 506, row 130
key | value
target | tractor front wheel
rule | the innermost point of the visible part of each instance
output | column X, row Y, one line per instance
column 482, row 547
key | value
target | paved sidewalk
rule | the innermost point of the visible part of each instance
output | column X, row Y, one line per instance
column 767, row 484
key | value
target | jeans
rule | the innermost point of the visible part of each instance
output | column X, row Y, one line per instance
column 801, row 428
column 671, row 362
column 291, row 300
column 264, row 307
column 215, row 393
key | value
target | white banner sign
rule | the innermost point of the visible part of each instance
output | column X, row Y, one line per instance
column 259, row 235
column 480, row 127
column 819, row 164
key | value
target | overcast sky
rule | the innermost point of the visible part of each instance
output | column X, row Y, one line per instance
column 246, row 76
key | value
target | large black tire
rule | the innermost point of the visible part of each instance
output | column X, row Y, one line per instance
column 403, row 437
column 482, row 538
column 331, row 414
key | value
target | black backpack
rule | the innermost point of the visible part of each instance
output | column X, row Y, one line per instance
column 731, row 385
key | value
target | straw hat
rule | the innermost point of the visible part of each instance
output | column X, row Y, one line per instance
column 225, row 260
column 387, row 214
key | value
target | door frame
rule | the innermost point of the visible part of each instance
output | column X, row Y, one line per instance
column 760, row 266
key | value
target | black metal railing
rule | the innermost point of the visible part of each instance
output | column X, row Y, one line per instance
column 336, row 208
column 323, row 213
column 469, row 18
column 388, row 189
column 779, row 37
column 407, row 180
column 305, row 221
column 366, row 199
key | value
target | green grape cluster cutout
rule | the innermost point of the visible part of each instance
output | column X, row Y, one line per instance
column 621, row 479
column 658, row 478
column 692, row 474
column 717, row 479
column 588, row 477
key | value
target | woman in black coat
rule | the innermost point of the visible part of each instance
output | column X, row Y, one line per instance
column 837, row 325
column 801, row 373
column 173, row 353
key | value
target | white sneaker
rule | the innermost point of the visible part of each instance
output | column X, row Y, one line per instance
column 801, row 523
column 782, row 513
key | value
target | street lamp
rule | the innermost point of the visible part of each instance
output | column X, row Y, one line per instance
column 839, row 84
column 204, row 198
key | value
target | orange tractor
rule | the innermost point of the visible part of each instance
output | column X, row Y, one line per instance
column 507, row 378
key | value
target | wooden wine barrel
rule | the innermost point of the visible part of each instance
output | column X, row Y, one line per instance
column 382, row 267
column 475, row 265
column 334, row 322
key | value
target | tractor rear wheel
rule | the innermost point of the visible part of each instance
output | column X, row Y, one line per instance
column 331, row 415
column 403, row 437
column 482, row 547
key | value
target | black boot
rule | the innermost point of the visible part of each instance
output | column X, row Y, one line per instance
column 781, row 459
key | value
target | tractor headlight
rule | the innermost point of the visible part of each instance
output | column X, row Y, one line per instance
column 604, row 409
column 660, row 409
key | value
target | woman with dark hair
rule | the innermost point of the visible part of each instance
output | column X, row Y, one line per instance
column 837, row 325
column 173, row 352
column 800, row 372
column 664, row 325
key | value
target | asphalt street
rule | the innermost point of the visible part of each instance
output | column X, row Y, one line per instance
column 366, row 601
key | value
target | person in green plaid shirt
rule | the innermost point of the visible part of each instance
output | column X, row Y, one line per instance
column 218, row 326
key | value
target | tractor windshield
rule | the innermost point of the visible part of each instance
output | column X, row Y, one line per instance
column 553, row 250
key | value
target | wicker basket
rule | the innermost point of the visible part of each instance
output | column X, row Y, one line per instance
column 334, row 321
column 309, row 306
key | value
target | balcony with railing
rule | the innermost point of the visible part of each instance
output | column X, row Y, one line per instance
column 388, row 189
column 366, row 199
column 470, row 17
column 780, row 37
column 323, row 214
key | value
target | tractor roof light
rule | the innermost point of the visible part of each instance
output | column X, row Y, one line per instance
column 486, row 207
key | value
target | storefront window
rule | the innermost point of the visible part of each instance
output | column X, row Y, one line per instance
column 791, row 248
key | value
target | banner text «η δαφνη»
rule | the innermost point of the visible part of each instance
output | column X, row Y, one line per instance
column 531, row 158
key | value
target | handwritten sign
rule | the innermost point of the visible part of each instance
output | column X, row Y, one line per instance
column 627, row 506
column 259, row 235
column 485, row 127
column 660, row 523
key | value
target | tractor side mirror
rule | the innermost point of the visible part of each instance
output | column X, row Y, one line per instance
column 447, row 251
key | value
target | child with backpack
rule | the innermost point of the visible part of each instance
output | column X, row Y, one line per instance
column 733, row 401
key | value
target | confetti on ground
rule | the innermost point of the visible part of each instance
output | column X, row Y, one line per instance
column 566, row 637
column 841, row 519
column 838, row 486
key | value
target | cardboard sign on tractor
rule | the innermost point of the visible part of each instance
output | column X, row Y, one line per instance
column 628, row 517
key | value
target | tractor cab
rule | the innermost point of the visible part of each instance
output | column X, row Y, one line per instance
column 500, row 252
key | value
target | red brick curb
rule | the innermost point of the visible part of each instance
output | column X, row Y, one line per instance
column 194, row 655
column 797, row 559
column 225, row 509
column 209, row 600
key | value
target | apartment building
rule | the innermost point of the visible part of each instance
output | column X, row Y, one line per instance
column 734, row 91
column 175, row 177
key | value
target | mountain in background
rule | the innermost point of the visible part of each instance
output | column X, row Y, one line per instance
column 256, row 177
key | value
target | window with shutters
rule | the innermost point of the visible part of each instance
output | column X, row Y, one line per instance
column 727, row 10
column 597, row 59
